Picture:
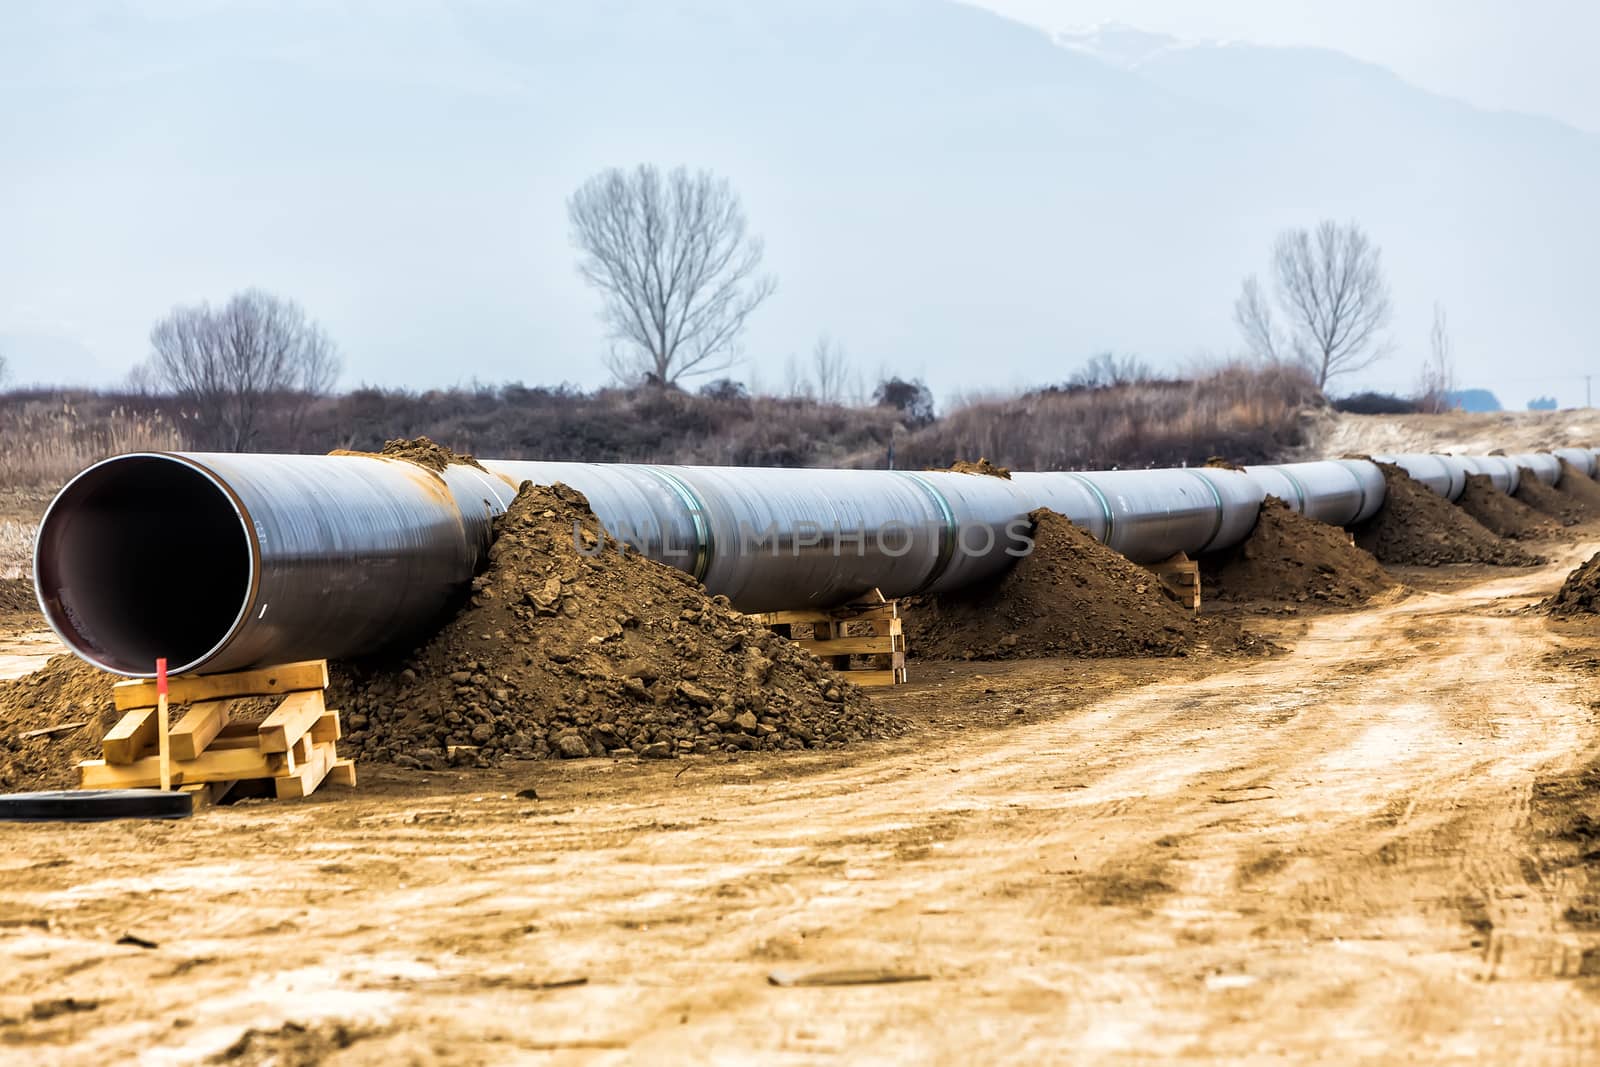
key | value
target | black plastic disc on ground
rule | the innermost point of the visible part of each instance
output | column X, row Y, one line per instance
column 94, row 805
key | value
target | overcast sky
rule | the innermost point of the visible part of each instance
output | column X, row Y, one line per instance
column 1536, row 56
column 400, row 168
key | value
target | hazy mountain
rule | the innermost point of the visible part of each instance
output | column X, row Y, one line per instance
column 949, row 193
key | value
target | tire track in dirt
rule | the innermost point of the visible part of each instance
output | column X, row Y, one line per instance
column 1277, row 860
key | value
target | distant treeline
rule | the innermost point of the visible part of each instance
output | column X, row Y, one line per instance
column 1244, row 411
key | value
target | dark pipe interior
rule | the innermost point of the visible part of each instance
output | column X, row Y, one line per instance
column 141, row 557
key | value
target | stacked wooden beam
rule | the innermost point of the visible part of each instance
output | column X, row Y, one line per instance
column 293, row 750
column 1181, row 576
column 875, row 658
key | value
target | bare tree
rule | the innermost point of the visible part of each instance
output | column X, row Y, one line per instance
column 1253, row 314
column 1332, row 295
column 142, row 379
column 831, row 368
column 796, row 386
column 256, row 355
column 1108, row 369
column 2, row 366
column 1438, row 378
column 676, row 267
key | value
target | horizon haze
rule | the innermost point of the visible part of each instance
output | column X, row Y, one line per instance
column 948, row 193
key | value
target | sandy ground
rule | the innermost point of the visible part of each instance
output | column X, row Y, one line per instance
column 1351, row 853
column 1512, row 431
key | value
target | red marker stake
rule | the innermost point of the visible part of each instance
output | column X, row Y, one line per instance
column 163, row 743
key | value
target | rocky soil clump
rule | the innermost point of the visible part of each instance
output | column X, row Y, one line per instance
column 571, row 646
column 65, row 691
column 1417, row 527
column 421, row 451
column 983, row 466
column 1071, row 596
column 1502, row 514
column 1289, row 557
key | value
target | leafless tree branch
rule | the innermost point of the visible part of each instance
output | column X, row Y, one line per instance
column 1334, row 298
column 256, row 355
column 1438, row 377
column 831, row 368
column 676, row 268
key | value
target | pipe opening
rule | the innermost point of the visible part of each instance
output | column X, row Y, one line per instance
column 143, row 556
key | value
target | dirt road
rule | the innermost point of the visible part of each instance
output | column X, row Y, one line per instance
column 1340, row 854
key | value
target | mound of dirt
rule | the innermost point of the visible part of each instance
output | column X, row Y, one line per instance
column 983, row 466
column 1071, row 596
column 1502, row 514
column 568, row 653
column 1565, row 508
column 65, row 691
column 1579, row 594
column 421, row 451
column 1580, row 488
column 1417, row 527
column 1290, row 557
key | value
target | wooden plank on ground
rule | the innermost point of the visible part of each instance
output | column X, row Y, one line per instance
column 134, row 733
column 217, row 765
column 872, row 678
column 192, row 688
column 206, row 794
column 199, row 726
column 290, row 720
column 343, row 772
column 307, row 776
column 846, row 614
column 851, row 646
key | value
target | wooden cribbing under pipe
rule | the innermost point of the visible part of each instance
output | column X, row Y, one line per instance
column 290, row 753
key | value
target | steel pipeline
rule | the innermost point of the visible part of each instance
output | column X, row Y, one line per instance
column 219, row 561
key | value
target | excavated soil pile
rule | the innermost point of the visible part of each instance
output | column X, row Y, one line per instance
column 983, row 466
column 1290, row 557
column 1416, row 527
column 1579, row 594
column 1564, row 508
column 568, row 653
column 421, row 451
column 1072, row 596
column 1581, row 489
column 65, row 691
column 1501, row 514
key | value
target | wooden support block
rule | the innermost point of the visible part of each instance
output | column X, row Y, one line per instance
column 841, row 614
column 134, row 733
column 326, row 729
column 193, row 688
column 199, row 726
column 876, row 678
column 307, row 776
column 291, row 720
column 852, row 646
column 216, row 765
column 206, row 794
column 298, row 754
column 343, row 772
column 232, row 742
